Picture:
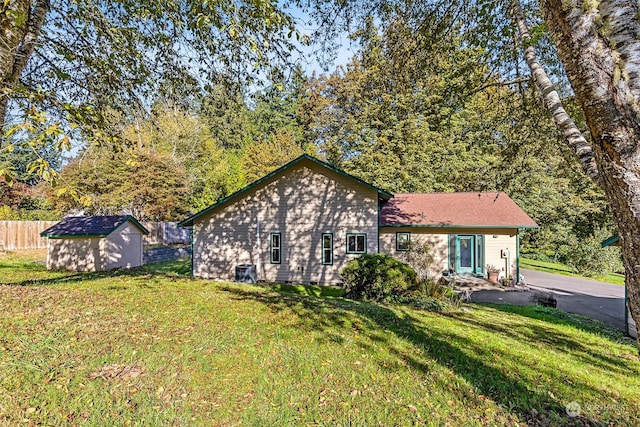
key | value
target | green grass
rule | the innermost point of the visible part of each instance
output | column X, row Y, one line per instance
column 557, row 268
column 230, row 354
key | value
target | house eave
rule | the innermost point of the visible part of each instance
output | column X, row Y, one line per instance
column 611, row 241
column 456, row 226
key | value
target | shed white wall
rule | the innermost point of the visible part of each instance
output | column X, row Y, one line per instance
column 302, row 204
column 495, row 240
column 123, row 247
column 75, row 254
column 120, row 249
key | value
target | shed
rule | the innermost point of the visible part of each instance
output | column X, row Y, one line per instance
column 95, row 243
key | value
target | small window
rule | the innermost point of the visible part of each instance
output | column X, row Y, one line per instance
column 327, row 248
column 356, row 243
column 403, row 242
column 274, row 247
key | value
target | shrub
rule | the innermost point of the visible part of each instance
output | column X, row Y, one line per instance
column 586, row 257
column 420, row 257
column 377, row 277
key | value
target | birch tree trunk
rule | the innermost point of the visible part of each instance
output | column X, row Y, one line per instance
column 563, row 121
column 20, row 25
column 599, row 44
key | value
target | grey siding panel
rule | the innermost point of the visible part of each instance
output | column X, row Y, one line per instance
column 301, row 204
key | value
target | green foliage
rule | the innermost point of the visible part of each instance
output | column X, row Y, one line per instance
column 588, row 258
column 71, row 65
column 377, row 277
column 23, row 196
column 423, row 302
column 142, row 183
column 396, row 116
column 227, row 116
column 416, row 111
column 212, row 169
column 265, row 156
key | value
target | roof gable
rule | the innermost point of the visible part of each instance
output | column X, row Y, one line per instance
column 280, row 171
column 90, row 226
column 451, row 210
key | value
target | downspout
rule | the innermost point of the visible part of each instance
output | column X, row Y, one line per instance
column 192, row 254
column 378, row 223
column 259, row 248
column 517, row 256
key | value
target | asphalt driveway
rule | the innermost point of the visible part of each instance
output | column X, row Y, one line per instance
column 598, row 300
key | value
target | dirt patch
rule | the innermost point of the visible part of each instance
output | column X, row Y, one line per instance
column 117, row 372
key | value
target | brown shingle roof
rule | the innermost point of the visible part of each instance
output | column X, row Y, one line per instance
column 454, row 210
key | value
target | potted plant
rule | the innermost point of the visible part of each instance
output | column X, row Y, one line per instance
column 492, row 273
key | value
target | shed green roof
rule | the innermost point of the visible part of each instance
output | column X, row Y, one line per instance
column 90, row 226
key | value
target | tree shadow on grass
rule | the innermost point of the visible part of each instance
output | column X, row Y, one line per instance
column 559, row 339
column 167, row 269
column 448, row 350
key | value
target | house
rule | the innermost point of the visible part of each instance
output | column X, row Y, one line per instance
column 95, row 243
column 468, row 231
column 304, row 221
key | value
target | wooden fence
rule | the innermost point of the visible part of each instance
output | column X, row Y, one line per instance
column 165, row 233
column 23, row 234
column 26, row 234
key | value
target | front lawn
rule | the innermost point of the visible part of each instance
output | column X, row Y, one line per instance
column 557, row 268
column 154, row 347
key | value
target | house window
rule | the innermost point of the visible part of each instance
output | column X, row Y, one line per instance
column 327, row 248
column 356, row 243
column 275, row 244
column 403, row 242
column 479, row 253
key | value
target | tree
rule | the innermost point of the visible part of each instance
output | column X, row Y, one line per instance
column 212, row 167
column 599, row 45
column 75, row 61
column 141, row 183
column 266, row 155
column 22, row 197
column 396, row 115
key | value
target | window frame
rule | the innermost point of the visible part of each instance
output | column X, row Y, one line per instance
column 323, row 261
column 356, row 235
column 408, row 241
column 278, row 248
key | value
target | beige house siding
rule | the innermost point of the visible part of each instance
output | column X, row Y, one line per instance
column 438, row 241
column 495, row 241
column 123, row 247
column 304, row 202
column 75, row 254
